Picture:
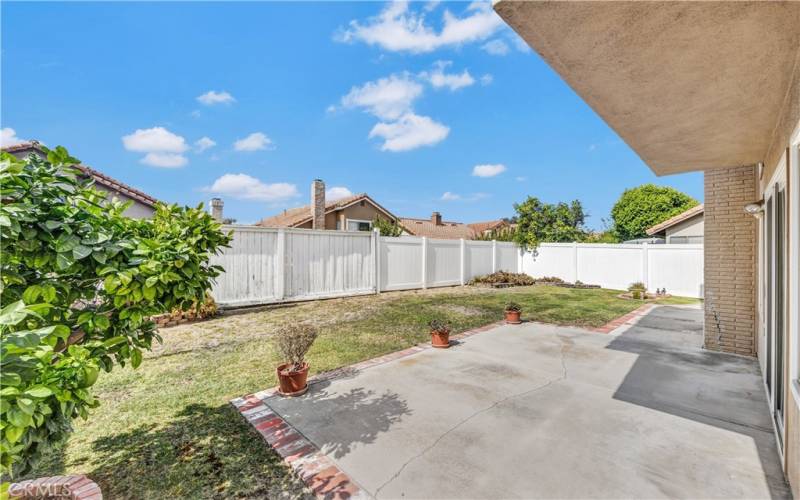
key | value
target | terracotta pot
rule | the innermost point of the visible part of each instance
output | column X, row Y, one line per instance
column 512, row 317
column 292, row 383
column 440, row 340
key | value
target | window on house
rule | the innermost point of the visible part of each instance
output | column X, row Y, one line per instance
column 678, row 240
column 359, row 225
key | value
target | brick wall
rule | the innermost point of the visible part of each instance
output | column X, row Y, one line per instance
column 730, row 261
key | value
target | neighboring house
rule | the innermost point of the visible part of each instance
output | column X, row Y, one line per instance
column 142, row 206
column 712, row 87
column 353, row 213
column 686, row 227
column 435, row 227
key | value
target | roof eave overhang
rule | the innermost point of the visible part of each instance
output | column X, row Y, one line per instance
column 687, row 85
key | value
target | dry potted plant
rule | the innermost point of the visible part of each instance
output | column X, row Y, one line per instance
column 440, row 334
column 293, row 342
column 513, row 311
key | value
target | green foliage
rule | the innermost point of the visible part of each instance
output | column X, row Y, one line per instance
column 513, row 307
column 517, row 279
column 607, row 236
column 439, row 326
column 638, row 285
column 79, row 284
column 387, row 227
column 500, row 234
column 645, row 206
column 539, row 222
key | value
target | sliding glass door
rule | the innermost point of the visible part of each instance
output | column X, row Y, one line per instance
column 775, row 299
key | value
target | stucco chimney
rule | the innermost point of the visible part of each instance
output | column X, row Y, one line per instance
column 318, row 204
column 436, row 218
column 216, row 209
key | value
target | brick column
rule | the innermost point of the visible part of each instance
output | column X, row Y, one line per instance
column 730, row 260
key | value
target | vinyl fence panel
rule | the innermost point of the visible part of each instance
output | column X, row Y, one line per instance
column 401, row 263
column 478, row 259
column 443, row 263
column 678, row 268
column 250, row 266
column 507, row 257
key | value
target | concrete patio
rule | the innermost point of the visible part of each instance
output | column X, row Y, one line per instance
column 544, row 411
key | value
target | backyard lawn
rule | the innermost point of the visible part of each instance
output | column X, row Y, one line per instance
column 167, row 430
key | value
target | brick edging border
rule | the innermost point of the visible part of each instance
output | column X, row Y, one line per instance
column 73, row 487
column 625, row 320
column 324, row 478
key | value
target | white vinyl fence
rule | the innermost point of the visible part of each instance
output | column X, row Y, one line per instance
column 678, row 268
column 278, row 265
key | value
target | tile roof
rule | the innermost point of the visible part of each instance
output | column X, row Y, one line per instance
column 97, row 176
column 293, row 217
column 695, row 210
column 447, row 230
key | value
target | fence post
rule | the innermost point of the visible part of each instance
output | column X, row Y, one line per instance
column 645, row 265
column 280, row 264
column 424, row 262
column 463, row 271
column 575, row 261
column 494, row 256
column 376, row 252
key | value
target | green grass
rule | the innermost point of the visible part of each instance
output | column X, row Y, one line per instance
column 167, row 430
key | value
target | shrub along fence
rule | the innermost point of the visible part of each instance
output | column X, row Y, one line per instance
column 266, row 265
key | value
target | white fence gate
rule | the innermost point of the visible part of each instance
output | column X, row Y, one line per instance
column 277, row 265
column 678, row 268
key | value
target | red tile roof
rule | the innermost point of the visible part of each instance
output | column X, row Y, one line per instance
column 448, row 230
column 297, row 216
column 99, row 177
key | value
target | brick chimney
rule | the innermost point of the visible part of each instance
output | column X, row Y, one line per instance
column 318, row 204
column 436, row 218
column 216, row 209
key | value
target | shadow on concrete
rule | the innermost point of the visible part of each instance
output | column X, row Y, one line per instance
column 673, row 374
column 359, row 415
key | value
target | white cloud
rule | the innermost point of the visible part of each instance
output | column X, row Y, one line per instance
column 337, row 193
column 204, row 143
column 454, row 81
column 156, row 139
column 520, row 44
column 448, row 196
column 213, row 97
column 409, row 132
column 487, row 79
column 246, row 187
column 254, row 142
column 397, row 28
column 165, row 160
column 495, row 47
column 387, row 98
column 8, row 137
column 162, row 147
column 488, row 170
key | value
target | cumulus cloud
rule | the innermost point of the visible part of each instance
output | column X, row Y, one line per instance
column 337, row 193
column 495, row 47
column 409, row 132
column 254, row 142
column 204, row 143
column 488, row 170
column 399, row 29
column 162, row 147
column 246, row 187
column 453, row 81
column 448, row 196
column 8, row 137
column 212, row 97
column 387, row 98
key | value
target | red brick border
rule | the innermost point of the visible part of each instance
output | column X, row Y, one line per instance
column 72, row 487
column 318, row 471
column 628, row 319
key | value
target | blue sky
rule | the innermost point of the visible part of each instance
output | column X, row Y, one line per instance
column 425, row 106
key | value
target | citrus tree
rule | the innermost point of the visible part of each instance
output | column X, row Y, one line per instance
column 79, row 284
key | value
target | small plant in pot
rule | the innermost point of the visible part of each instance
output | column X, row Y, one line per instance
column 512, row 312
column 293, row 342
column 440, row 334
column 637, row 290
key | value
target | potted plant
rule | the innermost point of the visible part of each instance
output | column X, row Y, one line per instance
column 293, row 342
column 440, row 334
column 512, row 312
column 637, row 290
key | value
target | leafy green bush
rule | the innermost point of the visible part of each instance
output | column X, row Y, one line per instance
column 387, row 227
column 517, row 279
column 79, row 284
column 637, row 286
column 641, row 208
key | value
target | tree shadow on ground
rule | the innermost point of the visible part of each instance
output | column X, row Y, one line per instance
column 336, row 421
column 203, row 452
